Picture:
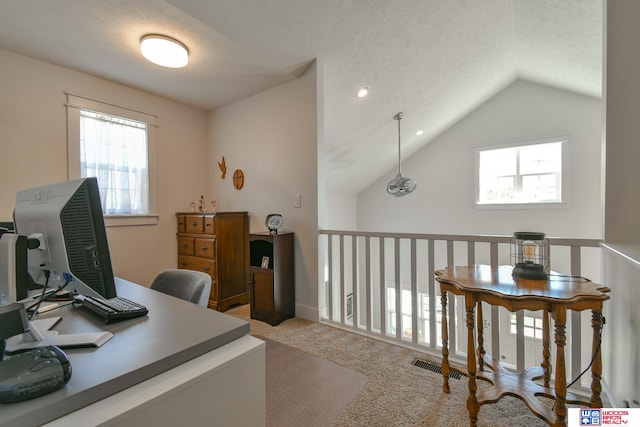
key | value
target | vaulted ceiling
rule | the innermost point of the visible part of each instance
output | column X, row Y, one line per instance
column 434, row 60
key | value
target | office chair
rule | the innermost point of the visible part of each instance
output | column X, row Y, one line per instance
column 189, row 285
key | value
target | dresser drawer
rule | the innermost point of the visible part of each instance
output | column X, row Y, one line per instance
column 186, row 246
column 194, row 224
column 181, row 223
column 205, row 248
column 198, row 264
column 210, row 224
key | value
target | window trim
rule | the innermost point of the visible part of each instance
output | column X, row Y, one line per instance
column 564, row 180
column 75, row 103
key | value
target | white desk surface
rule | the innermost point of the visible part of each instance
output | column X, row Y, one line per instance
column 174, row 332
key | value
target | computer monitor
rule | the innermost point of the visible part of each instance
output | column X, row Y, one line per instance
column 67, row 219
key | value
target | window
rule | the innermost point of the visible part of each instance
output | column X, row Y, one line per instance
column 532, row 326
column 524, row 173
column 114, row 150
column 116, row 145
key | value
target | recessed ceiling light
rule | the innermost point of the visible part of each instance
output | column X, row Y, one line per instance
column 363, row 91
column 164, row 51
column 420, row 132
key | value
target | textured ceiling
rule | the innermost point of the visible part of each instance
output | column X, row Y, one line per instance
column 434, row 60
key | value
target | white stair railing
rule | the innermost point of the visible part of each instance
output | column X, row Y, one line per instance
column 382, row 285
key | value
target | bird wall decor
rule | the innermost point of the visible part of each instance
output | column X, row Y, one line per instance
column 223, row 168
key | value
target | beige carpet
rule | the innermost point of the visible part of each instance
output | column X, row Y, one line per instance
column 305, row 390
column 396, row 392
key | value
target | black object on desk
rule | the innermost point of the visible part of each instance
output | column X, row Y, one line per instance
column 112, row 309
column 33, row 373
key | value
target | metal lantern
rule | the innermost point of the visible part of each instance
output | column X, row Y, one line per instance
column 530, row 255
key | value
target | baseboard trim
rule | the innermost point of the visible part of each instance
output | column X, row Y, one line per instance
column 307, row 312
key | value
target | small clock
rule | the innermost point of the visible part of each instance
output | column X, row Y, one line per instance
column 273, row 222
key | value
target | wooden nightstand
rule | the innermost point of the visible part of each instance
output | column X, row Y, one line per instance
column 272, row 277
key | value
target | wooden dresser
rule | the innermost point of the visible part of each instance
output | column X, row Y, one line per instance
column 217, row 243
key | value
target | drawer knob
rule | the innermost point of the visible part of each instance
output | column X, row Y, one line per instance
column 184, row 264
column 206, row 268
column 194, row 223
column 204, row 248
column 185, row 245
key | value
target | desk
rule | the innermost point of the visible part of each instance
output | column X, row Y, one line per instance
column 174, row 347
column 496, row 286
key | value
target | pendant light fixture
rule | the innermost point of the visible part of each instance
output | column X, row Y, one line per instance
column 400, row 185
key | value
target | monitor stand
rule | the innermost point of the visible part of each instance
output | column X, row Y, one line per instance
column 39, row 334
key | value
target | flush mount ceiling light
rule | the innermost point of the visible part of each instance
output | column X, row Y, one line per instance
column 164, row 51
column 363, row 91
column 400, row 185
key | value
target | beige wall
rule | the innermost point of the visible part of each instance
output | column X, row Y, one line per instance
column 272, row 137
column 622, row 97
column 621, row 345
column 33, row 143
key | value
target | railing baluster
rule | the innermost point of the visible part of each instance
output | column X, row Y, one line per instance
column 414, row 294
column 495, row 311
column 519, row 340
column 367, row 279
column 330, row 278
column 383, row 292
column 452, row 310
column 398, row 287
column 576, row 319
column 495, row 331
column 354, row 281
column 342, row 292
column 493, row 253
column 433, row 341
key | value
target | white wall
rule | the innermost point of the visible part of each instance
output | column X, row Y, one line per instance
column 272, row 137
column 444, row 170
column 340, row 211
column 33, row 143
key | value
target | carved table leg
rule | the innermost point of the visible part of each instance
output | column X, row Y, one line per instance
column 480, row 325
column 472, row 402
column 445, row 344
column 546, row 349
column 596, row 367
column 560, row 318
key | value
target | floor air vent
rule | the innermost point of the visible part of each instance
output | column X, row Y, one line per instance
column 430, row 366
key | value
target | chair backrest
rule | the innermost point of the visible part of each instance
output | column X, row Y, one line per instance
column 189, row 285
